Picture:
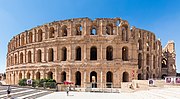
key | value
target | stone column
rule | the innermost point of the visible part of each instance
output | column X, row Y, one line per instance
column 85, row 79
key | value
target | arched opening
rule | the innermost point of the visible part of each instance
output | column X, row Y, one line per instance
column 14, row 78
column 78, row 29
column 109, row 29
column 93, row 31
column 28, row 75
column 39, row 35
column 22, row 40
column 63, row 76
column 20, row 76
column 125, row 53
column 125, row 33
column 109, row 53
column 16, row 61
column 147, row 44
column 50, row 55
column 64, row 54
column 154, row 76
column 50, row 75
column 109, row 79
column 30, row 37
column 139, row 60
column 93, row 79
column 38, row 76
column 21, row 58
column 51, row 32
column 154, row 62
column 147, row 76
column 125, row 77
column 163, row 76
column 140, row 44
column 78, row 53
column 139, row 77
column 29, row 57
column 164, row 63
column 39, row 55
column 147, row 59
column 118, row 22
column 64, row 30
column 93, row 53
column 78, row 78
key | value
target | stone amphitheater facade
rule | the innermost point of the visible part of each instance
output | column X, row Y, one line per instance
column 104, row 51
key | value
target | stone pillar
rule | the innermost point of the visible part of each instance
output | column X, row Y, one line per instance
column 85, row 79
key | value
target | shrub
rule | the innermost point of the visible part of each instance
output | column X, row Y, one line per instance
column 22, row 82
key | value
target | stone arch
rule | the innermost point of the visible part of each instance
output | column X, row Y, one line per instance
column 93, row 79
column 140, row 44
column 139, row 76
column 63, row 76
column 164, row 63
column 124, row 33
column 147, row 76
column 51, row 32
column 50, row 55
column 28, row 75
column 78, row 28
column 78, row 53
column 30, row 37
column 125, row 53
column 39, row 35
column 39, row 55
column 125, row 77
column 20, row 76
column 78, row 78
column 147, row 59
column 29, row 57
column 139, row 60
column 118, row 22
column 93, row 53
column 50, row 75
column 93, row 30
column 21, row 57
column 22, row 40
column 64, row 30
column 38, row 76
column 109, row 79
column 16, row 59
column 109, row 29
column 109, row 53
column 64, row 54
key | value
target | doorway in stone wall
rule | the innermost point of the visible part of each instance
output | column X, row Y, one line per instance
column 93, row 79
column 78, row 78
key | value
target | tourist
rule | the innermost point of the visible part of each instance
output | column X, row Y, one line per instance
column 8, row 90
column 67, row 90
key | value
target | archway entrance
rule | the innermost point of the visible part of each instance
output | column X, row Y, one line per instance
column 50, row 75
column 63, row 76
column 125, row 77
column 38, row 76
column 93, row 79
column 28, row 75
column 78, row 78
column 20, row 76
column 109, row 79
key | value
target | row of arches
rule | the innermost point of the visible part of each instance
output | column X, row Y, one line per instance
column 78, row 78
column 63, row 53
column 38, row 35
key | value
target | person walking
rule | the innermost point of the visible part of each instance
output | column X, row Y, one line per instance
column 67, row 90
column 8, row 91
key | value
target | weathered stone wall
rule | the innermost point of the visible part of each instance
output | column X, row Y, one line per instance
column 53, row 49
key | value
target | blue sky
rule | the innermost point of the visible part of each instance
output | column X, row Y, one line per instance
column 159, row 16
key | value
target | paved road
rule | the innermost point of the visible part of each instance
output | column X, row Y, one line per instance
column 22, row 93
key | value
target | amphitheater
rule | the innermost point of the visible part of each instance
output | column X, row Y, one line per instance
column 103, row 51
